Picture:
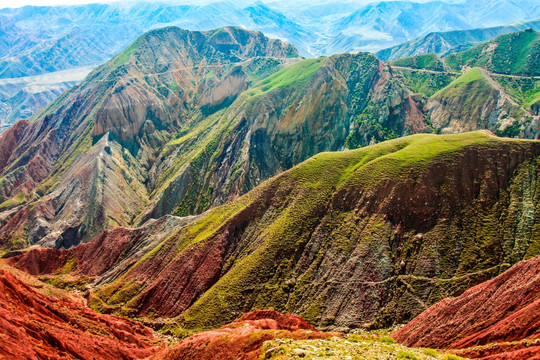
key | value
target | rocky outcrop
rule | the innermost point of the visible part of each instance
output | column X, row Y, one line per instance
column 503, row 312
column 243, row 338
column 36, row 326
column 100, row 140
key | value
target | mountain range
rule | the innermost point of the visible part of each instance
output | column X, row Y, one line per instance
column 198, row 177
column 45, row 40
column 182, row 121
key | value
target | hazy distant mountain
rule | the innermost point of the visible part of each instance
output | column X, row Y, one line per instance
column 445, row 43
column 39, row 40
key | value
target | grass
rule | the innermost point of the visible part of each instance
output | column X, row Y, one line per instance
column 294, row 74
column 426, row 61
column 425, row 83
column 340, row 348
column 307, row 188
column 514, row 53
column 463, row 86
column 14, row 201
column 406, row 355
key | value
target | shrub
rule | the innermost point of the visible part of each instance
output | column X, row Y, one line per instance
column 387, row 340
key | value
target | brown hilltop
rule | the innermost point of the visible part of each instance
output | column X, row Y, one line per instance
column 498, row 319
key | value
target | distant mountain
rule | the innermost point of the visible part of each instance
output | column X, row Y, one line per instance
column 512, row 54
column 39, row 40
column 384, row 24
column 445, row 43
column 21, row 97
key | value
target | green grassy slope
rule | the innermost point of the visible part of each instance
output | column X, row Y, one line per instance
column 350, row 237
column 514, row 53
column 427, row 62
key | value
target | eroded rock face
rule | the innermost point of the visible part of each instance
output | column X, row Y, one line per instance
column 368, row 237
column 84, row 165
column 243, row 338
column 497, row 312
column 36, row 326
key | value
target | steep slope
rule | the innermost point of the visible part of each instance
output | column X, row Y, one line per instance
column 37, row 326
column 500, row 93
column 503, row 312
column 369, row 236
column 100, row 140
column 514, row 53
column 446, row 43
column 170, row 127
column 474, row 101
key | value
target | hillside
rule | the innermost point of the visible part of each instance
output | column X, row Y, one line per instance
column 446, row 43
column 471, row 90
column 501, row 315
column 511, row 54
column 36, row 325
column 387, row 230
column 169, row 128
column 42, row 40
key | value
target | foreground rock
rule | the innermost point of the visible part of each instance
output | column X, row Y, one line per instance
column 243, row 338
column 503, row 312
column 37, row 326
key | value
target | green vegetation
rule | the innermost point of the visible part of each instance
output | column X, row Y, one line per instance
column 406, row 355
column 431, row 352
column 339, row 349
column 425, row 83
column 256, row 277
column 472, row 86
column 426, row 62
column 524, row 90
column 514, row 53
column 14, row 201
column 295, row 74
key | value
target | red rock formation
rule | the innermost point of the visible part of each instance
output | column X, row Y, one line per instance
column 35, row 326
column 243, row 338
column 502, row 310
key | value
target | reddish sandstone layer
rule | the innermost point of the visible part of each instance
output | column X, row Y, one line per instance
column 36, row 326
column 243, row 338
column 503, row 310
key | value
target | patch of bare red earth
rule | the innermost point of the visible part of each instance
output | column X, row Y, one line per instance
column 36, row 326
column 498, row 319
column 243, row 338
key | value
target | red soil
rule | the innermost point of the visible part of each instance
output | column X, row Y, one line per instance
column 36, row 326
column 243, row 338
column 502, row 310
column 92, row 258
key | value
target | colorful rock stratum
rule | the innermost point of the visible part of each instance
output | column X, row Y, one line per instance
column 198, row 177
